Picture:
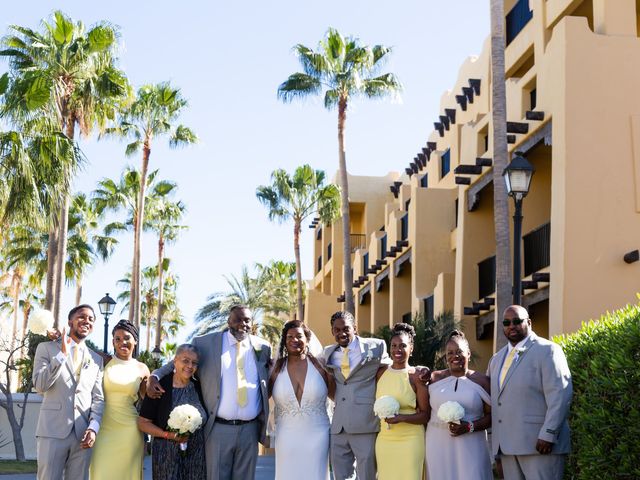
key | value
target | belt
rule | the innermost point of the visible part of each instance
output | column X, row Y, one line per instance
column 224, row 421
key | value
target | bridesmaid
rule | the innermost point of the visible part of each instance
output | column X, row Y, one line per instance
column 124, row 381
column 459, row 450
column 400, row 442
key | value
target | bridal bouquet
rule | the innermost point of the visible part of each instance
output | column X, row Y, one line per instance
column 451, row 412
column 184, row 420
column 40, row 321
column 385, row 407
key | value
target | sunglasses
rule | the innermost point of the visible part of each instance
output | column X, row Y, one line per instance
column 515, row 322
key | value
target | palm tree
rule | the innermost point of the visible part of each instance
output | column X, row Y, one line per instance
column 86, row 244
column 296, row 197
column 343, row 69
column 152, row 114
column 69, row 75
column 164, row 219
column 280, row 297
column 500, row 157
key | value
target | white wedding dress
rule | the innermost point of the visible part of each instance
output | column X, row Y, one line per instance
column 302, row 430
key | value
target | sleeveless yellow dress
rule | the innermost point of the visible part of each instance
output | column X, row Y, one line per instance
column 399, row 448
column 118, row 451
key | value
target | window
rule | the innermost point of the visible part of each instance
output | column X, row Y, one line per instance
column 383, row 247
column 404, row 227
column 319, row 264
column 533, row 98
column 319, row 234
column 445, row 163
column 428, row 308
column 456, row 211
column 329, row 252
column 406, row 205
column 517, row 19
column 365, row 261
column 424, row 181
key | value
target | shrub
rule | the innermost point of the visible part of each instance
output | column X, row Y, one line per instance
column 604, row 358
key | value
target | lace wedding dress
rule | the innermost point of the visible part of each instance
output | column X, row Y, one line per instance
column 302, row 429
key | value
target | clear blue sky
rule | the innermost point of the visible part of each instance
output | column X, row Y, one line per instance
column 229, row 58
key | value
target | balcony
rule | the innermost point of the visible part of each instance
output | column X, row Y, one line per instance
column 517, row 19
column 537, row 251
column 358, row 240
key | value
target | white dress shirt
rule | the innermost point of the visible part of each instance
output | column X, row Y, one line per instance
column 228, row 407
column 355, row 354
column 510, row 347
column 82, row 355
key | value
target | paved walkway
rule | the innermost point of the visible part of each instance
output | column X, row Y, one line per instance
column 264, row 471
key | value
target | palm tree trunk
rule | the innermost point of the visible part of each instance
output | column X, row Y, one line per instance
column 16, row 286
column 52, row 252
column 78, row 290
column 160, row 289
column 296, row 251
column 500, row 156
column 26, row 309
column 134, row 312
column 344, row 197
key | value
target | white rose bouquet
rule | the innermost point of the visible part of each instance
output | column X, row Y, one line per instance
column 451, row 412
column 385, row 407
column 184, row 420
column 40, row 321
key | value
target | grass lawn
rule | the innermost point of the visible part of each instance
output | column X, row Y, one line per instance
column 12, row 466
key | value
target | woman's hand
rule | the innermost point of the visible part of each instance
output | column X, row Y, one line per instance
column 174, row 437
column 458, row 429
column 394, row 420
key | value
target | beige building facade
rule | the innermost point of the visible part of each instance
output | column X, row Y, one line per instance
column 423, row 240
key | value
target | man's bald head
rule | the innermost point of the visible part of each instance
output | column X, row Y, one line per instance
column 516, row 323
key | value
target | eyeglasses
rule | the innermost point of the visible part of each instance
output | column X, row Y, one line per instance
column 515, row 322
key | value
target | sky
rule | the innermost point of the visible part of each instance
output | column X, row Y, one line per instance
column 228, row 58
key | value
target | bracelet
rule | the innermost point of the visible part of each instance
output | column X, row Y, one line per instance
column 471, row 427
column 166, row 435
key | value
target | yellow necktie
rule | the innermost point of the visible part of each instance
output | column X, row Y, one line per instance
column 507, row 363
column 344, row 365
column 76, row 360
column 242, row 378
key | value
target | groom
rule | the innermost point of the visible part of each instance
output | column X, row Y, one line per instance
column 354, row 361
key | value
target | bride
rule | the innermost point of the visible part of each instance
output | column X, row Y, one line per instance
column 300, row 386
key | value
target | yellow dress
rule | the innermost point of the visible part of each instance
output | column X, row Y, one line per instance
column 118, row 451
column 399, row 448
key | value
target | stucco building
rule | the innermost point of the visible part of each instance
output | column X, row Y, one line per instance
column 423, row 240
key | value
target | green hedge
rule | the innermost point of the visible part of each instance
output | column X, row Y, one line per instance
column 604, row 358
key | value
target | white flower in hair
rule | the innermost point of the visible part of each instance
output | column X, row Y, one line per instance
column 40, row 321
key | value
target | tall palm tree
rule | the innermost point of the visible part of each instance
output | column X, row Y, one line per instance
column 296, row 197
column 343, row 69
column 164, row 220
column 152, row 114
column 68, row 74
column 280, row 297
column 500, row 158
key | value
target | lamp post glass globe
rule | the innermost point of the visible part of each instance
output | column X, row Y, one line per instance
column 156, row 353
column 107, row 305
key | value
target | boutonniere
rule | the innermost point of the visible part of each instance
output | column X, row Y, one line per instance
column 367, row 356
column 520, row 351
column 86, row 363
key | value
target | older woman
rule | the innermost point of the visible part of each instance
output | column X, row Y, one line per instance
column 400, row 443
column 124, row 381
column 180, row 388
column 300, row 387
column 459, row 450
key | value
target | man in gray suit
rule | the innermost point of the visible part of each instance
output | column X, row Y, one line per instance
column 233, row 370
column 354, row 361
column 531, row 392
column 69, row 376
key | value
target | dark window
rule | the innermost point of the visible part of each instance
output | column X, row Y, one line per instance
column 424, row 181
column 456, row 212
column 486, row 277
column 537, row 252
column 406, row 205
column 486, row 143
column 382, row 228
column 319, row 267
column 517, row 18
column 445, row 163
column 383, row 246
column 406, row 318
column 365, row 260
column 319, row 234
column 533, row 98
column 329, row 252
column 404, row 227
column 428, row 308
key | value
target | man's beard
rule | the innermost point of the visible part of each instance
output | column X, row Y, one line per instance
column 239, row 335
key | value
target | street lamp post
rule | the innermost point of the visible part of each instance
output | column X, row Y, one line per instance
column 517, row 176
column 106, row 305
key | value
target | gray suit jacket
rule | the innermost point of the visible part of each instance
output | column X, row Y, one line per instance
column 210, row 375
column 356, row 394
column 67, row 402
column 534, row 400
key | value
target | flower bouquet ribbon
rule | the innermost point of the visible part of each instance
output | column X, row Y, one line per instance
column 184, row 420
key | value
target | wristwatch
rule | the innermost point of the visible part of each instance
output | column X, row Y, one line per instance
column 471, row 427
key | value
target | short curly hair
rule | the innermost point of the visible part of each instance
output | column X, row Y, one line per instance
column 346, row 316
column 403, row 328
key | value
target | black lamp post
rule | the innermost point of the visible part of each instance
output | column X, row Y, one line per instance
column 156, row 353
column 517, row 176
column 106, row 305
